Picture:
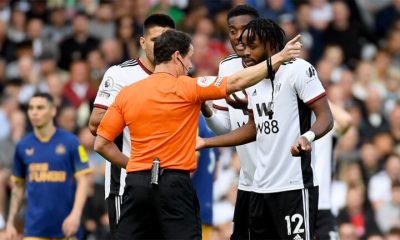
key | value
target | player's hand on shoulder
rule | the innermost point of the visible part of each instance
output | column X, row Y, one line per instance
column 292, row 49
column 302, row 146
column 71, row 224
column 236, row 102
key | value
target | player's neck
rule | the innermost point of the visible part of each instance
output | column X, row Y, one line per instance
column 45, row 133
column 147, row 63
column 166, row 68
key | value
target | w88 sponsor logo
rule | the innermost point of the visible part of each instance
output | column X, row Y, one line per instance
column 267, row 127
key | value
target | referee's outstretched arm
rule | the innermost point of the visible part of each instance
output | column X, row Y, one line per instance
column 252, row 75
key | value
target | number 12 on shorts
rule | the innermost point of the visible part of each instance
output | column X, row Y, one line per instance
column 296, row 219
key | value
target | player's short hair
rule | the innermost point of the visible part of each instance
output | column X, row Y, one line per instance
column 267, row 31
column 158, row 20
column 169, row 42
column 47, row 96
column 241, row 10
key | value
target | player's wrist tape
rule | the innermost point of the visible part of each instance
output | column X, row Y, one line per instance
column 309, row 135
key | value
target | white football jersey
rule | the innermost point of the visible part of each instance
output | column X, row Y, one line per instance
column 116, row 78
column 296, row 84
column 237, row 118
column 324, row 153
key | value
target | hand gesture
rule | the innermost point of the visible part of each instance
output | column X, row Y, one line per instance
column 236, row 102
column 302, row 146
column 70, row 225
column 292, row 49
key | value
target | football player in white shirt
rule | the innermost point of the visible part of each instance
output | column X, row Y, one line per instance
column 326, row 227
column 225, row 118
column 116, row 78
column 284, row 201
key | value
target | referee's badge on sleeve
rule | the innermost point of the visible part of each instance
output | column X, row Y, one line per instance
column 205, row 81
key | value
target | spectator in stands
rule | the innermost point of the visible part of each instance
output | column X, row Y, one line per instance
column 387, row 216
column 57, row 29
column 16, row 28
column 7, row 47
column 40, row 43
column 102, row 26
column 386, row 16
column 379, row 189
column 77, row 46
column 125, row 33
column 357, row 213
column 78, row 89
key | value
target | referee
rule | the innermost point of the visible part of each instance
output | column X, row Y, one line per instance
column 162, row 113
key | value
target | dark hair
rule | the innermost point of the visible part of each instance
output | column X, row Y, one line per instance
column 241, row 10
column 47, row 96
column 159, row 20
column 169, row 42
column 267, row 31
column 396, row 183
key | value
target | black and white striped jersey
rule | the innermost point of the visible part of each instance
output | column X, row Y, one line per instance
column 116, row 78
column 295, row 86
column 236, row 118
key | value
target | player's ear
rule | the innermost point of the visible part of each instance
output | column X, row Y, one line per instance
column 142, row 41
column 176, row 55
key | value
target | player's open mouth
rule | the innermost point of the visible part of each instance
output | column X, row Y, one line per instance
column 239, row 47
column 249, row 62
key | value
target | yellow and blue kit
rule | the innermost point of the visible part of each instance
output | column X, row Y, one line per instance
column 49, row 169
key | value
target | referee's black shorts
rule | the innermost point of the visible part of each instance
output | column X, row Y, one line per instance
column 170, row 211
column 284, row 215
column 241, row 216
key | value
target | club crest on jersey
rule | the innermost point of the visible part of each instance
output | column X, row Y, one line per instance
column 60, row 149
column 108, row 83
column 205, row 81
column 277, row 87
column 29, row 151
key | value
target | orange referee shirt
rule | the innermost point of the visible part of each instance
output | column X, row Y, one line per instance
column 162, row 113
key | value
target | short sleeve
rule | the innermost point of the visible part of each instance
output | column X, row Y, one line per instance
column 108, row 89
column 307, row 84
column 19, row 168
column 79, row 158
column 211, row 87
column 202, row 89
column 113, row 121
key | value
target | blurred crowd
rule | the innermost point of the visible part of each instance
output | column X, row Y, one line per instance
column 64, row 48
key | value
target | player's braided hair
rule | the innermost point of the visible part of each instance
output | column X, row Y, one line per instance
column 267, row 31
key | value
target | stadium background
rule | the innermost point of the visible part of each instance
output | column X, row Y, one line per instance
column 354, row 45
